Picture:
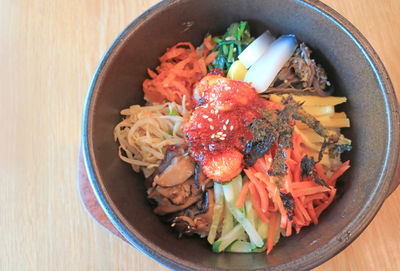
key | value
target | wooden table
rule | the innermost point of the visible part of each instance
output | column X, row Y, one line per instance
column 49, row 50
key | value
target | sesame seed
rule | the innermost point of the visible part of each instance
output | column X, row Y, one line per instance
column 209, row 119
column 213, row 135
column 211, row 127
column 226, row 122
column 212, row 111
column 222, row 138
column 224, row 135
column 224, row 127
column 173, row 225
column 205, row 116
column 216, row 111
column 270, row 159
column 219, row 133
column 231, row 127
column 217, row 136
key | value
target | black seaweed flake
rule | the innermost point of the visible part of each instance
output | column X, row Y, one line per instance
column 278, row 168
column 264, row 137
column 308, row 170
column 331, row 138
column 288, row 203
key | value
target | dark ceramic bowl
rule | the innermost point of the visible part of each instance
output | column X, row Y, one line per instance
column 353, row 67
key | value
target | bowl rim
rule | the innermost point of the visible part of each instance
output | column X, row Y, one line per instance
column 311, row 260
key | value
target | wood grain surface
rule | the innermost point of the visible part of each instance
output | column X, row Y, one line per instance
column 49, row 50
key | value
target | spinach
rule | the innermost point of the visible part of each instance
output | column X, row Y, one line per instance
column 229, row 46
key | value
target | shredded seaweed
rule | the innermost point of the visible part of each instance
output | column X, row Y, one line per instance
column 278, row 167
column 264, row 137
column 288, row 203
column 307, row 166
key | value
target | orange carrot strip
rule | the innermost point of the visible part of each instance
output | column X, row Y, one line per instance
column 309, row 191
column 301, row 209
column 271, row 233
column 311, row 211
column 320, row 196
column 298, row 218
column 261, row 190
column 242, row 195
column 289, row 228
column 284, row 221
column 287, row 180
column 297, row 174
column 345, row 166
column 261, row 166
column 255, row 201
column 304, row 184
column 322, row 207
column 321, row 172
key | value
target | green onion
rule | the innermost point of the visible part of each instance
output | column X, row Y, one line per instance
column 230, row 45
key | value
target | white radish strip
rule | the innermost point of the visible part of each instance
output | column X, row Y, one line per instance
column 263, row 72
column 256, row 49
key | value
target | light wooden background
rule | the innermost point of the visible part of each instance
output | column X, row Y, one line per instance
column 48, row 53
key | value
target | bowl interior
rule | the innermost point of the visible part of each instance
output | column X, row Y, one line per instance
column 118, row 86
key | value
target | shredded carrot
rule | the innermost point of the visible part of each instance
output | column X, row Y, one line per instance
column 260, row 189
column 289, row 228
column 298, row 218
column 345, row 166
column 311, row 211
column 180, row 69
column 319, row 196
column 242, row 195
column 302, row 209
column 320, row 172
column 310, row 199
column 309, row 190
column 255, row 201
column 323, row 206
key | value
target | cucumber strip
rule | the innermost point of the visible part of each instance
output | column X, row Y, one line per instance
column 218, row 210
column 239, row 247
column 240, row 217
column 261, row 249
column 227, row 239
column 251, row 214
column 227, row 223
column 263, row 229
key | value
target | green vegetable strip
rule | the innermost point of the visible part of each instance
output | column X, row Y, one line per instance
column 227, row 239
column 230, row 45
column 239, row 247
column 240, row 217
column 230, row 55
column 227, row 223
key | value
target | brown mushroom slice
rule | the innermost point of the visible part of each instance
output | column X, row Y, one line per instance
column 172, row 152
column 180, row 169
column 178, row 194
column 165, row 206
column 192, row 221
column 203, row 221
